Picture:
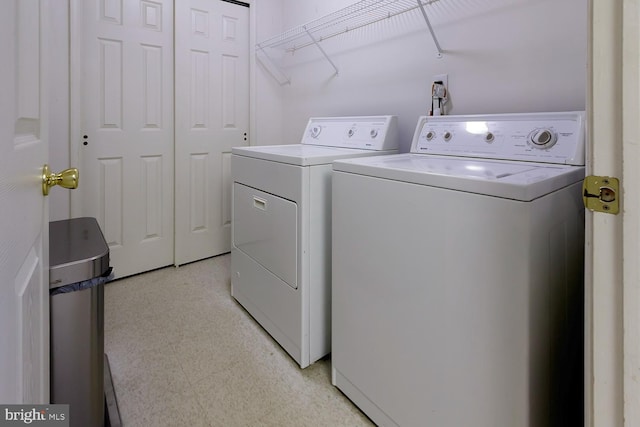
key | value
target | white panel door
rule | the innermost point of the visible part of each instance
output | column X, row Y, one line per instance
column 24, row 231
column 126, row 148
column 212, row 115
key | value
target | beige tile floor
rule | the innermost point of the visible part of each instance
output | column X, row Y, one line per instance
column 184, row 353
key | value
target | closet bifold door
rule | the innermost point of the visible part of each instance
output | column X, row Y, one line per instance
column 123, row 126
column 212, row 115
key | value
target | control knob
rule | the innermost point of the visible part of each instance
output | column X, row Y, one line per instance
column 489, row 137
column 543, row 138
column 315, row 131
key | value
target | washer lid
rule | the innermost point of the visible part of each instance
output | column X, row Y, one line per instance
column 507, row 179
column 303, row 154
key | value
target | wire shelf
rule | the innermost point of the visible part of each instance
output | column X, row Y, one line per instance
column 358, row 15
column 352, row 17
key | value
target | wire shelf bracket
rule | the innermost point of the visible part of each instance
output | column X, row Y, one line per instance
column 321, row 49
column 433, row 34
column 270, row 65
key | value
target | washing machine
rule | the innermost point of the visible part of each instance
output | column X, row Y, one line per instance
column 281, row 229
column 458, row 274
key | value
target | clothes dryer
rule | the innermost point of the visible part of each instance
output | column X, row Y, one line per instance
column 458, row 274
column 281, row 229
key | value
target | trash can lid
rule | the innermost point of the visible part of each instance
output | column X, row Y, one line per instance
column 77, row 251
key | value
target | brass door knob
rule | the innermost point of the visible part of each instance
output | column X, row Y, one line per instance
column 68, row 178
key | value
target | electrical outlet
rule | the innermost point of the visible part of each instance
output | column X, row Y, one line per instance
column 444, row 78
column 438, row 96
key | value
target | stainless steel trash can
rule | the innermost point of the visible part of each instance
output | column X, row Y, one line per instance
column 78, row 258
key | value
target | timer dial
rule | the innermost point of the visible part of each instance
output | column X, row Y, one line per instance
column 543, row 138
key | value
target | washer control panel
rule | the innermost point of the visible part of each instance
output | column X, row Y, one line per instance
column 537, row 137
column 366, row 132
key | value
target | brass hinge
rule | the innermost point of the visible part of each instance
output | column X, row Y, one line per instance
column 601, row 194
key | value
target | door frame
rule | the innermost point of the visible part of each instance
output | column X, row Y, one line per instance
column 631, row 214
column 612, row 392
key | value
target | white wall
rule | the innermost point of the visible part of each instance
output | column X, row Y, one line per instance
column 267, row 93
column 500, row 55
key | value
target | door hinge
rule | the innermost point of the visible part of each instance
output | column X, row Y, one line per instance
column 601, row 194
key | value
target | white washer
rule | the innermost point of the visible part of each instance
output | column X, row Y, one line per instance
column 457, row 274
column 281, row 229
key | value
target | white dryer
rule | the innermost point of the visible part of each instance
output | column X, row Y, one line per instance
column 458, row 274
column 281, row 229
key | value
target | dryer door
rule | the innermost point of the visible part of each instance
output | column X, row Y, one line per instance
column 265, row 228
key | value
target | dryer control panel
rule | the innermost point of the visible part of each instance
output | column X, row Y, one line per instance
column 537, row 137
column 365, row 133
